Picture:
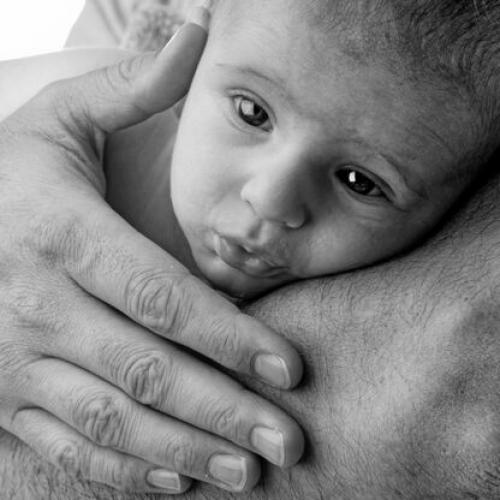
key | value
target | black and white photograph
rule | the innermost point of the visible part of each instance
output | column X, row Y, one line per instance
column 249, row 249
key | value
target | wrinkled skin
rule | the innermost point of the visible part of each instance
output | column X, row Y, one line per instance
column 400, row 398
column 93, row 376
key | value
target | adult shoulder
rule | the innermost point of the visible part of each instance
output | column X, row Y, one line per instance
column 400, row 395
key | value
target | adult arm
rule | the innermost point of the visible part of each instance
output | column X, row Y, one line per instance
column 401, row 394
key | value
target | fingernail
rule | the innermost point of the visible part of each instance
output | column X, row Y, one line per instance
column 200, row 15
column 164, row 479
column 269, row 443
column 229, row 470
column 273, row 369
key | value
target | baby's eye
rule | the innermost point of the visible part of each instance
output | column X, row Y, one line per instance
column 359, row 183
column 250, row 112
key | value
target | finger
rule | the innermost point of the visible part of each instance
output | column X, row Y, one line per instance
column 129, row 272
column 78, row 457
column 136, row 88
column 108, row 418
column 174, row 382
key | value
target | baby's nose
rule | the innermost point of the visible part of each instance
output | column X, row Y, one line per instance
column 276, row 198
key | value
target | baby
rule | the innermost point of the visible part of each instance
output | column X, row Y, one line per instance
column 319, row 136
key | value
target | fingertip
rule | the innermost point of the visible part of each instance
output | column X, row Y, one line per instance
column 281, row 370
column 253, row 474
column 184, row 484
column 189, row 42
column 295, row 368
column 234, row 473
column 276, row 362
column 294, row 445
column 200, row 15
column 281, row 445
column 168, row 482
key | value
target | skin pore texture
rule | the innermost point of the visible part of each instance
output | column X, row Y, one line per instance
column 295, row 160
column 400, row 395
column 399, row 398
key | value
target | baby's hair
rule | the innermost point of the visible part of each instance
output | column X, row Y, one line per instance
column 453, row 45
column 456, row 40
column 450, row 46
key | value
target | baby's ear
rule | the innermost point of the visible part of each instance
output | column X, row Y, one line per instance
column 178, row 107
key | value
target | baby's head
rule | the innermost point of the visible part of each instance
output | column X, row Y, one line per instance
column 323, row 135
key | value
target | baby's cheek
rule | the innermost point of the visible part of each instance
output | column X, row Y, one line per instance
column 347, row 244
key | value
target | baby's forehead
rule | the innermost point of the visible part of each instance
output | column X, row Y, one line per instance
column 351, row 24
column 311, row 37
column 297, row 47
column 306, row 45
column 293, row 41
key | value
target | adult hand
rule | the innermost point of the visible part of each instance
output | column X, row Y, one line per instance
column 87, row 377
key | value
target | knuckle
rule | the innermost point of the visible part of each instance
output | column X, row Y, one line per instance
column 125, row 474
column 121, row 475
column 116, row 78
column 148, row 378
column 180, row 454
column 157, row 302
column 123, row 72
column 226, row 343
column 65, row 240
column 223, row 421
column 31, row 308
column 29, row 298
column 122, row 78
column 60, row 238
column 70, row 457
column 101, row 418
column 26, row 304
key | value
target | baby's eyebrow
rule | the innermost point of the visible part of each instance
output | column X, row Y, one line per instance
column 414, row 184
column 403, row 172
column 271, row 78
column 411, row 182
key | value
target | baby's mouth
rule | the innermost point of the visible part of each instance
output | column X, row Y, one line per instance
column 244, row 258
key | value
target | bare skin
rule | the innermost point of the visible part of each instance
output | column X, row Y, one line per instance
column 400, row 393
column 400, row 397
column 100, row 390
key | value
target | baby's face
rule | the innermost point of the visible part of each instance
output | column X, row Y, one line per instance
column 293, row 160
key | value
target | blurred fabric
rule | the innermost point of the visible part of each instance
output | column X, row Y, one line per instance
column 133, row 24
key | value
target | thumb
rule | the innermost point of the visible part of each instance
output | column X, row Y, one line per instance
column 134, row 89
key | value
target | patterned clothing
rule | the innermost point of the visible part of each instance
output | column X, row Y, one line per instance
column 139, row 25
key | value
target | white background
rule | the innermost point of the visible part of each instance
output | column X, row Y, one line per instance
column 30, row 27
